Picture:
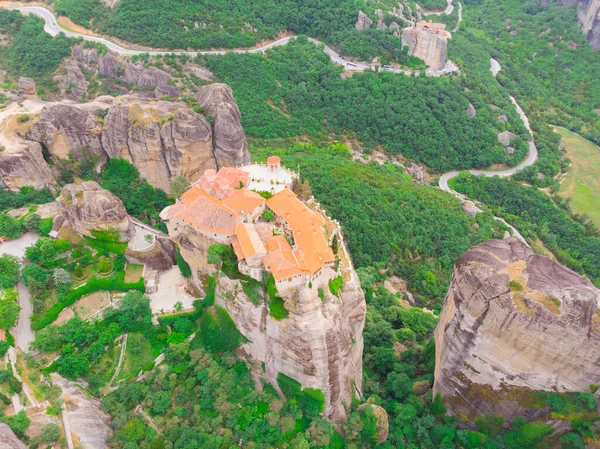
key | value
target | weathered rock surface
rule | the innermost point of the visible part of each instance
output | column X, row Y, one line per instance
column 22, row 164
column 162, row 139
column 160, row 256
column 86, row 421
column 588, row 16
column 26, row 87
column 428, row 42
column 8, row 439
column 496, row 344
column 319, row 344
column 87, row 55
column 230, row 146
column 73, row 82
column 381, row 420
column 363, row 21
column 471, row 111
column 90, row 208
column 505, row 137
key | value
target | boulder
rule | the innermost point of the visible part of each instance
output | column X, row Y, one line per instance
column 90, row 208
column 109, row 65
column 503, row 118
column 471, row 111
column 363, row 21
column 469, row 208
column 8, row 439
column 230, row 146
column 166, row 91
column 381, row 420
column 73, row 82
column 514, row 323
column 505, row 137
column 510, row 151
column 26, row 87
column 203, row 74
column 22, row 164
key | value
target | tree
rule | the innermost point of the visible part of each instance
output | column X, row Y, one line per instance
column 19, row 423
column 35, row 272
column 32, row 222
column 134, row 314
column 9, row 308
column 10, row 227
column 61, row 277
column 215, row 253
column 179, row 185
column 9, row 271
column 268, row 215
column 161, row 402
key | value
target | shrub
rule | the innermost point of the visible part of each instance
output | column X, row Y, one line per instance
column 61, row 277
column 335, row 285
column 310, row 400
column 4, row 346
column 106, row 246
column 45, row 226
column 10, row 227
column 515, row 286
column 268, row 215
column 104, row 266
column 184, row 267
column 321, row 293
column 9, row 271
column 32, row 222
column 36, row 272
column 176, row 338
column 277, row 309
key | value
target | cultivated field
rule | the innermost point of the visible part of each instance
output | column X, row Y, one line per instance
column 582, row 183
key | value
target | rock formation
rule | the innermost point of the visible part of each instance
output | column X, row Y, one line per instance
column 319, row 344
column 26, row 88
column 363, row 21
column 588, row 16
column 230, row 146
column 88, row 207
column 159, row 256
column 505, row 137
column 85, row 420
column 514, row 322
column 73, row 82
column 427, row 41
column 8, row 439
column 22, row 164
column 162, row 139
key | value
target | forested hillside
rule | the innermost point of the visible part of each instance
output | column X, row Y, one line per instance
column 296, row 90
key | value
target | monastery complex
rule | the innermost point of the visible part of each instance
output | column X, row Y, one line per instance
column 226, row 208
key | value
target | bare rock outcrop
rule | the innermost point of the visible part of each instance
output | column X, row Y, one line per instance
column 230, row 145
column 513, row 323
column 363, row 21
column 26, row 87
column 85, row 420
column 88, row 207
column 87, row 55
column 319, row 344
column 505, row 137
column 8, row 439
column 427, row 41
column 159, row 256
column 22, row 164
column 162, row 139
column 65, row 128
column 73, row 82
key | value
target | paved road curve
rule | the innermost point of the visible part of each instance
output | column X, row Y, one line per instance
column 53, row 28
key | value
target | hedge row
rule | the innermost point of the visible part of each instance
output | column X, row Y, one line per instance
column 92, row 286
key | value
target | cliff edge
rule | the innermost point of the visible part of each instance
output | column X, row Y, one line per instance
column 514, row 322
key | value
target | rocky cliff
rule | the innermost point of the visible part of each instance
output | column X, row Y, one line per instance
column 8, row 439
column 429, row 42
column 319, row 344
column 88, row 207
column 22, row 164
column 162, row 139
column 512, row 323
column 588, row 16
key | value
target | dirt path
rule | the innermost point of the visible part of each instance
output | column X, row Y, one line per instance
column 121, row 358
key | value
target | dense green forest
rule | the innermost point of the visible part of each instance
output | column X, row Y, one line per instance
column 389, row 221
column 573, row 239
column 296, row 90
column 33, row 52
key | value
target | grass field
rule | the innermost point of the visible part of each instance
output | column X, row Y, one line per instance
column 582, row 183
column 139, row 355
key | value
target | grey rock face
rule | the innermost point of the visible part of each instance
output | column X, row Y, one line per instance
column 26, row 87
column 87, row 55
column 363, row 21
column 152, row 77
column 8, row 439
column 160, row 256
column 73, row 82
column 588, row 16
column 91, row 208
column 23, row 165
column 320, row 344
column 230, row 146
column 64, row 128
column 162, row 139
column 471, row 111
column 427, row 45
column 497, row 342
column 505, row 137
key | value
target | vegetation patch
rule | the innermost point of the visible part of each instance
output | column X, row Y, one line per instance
column 310, row 400
column 218, row 332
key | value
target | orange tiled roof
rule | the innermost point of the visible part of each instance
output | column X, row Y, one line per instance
column 280, row 258
column 237, row 248
column 264, row 232
column 2, row 335
column 244, row 201
column 206, row 212
column 223, row 183
column 249, row 240
column 273, row 160
column 312, row 250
